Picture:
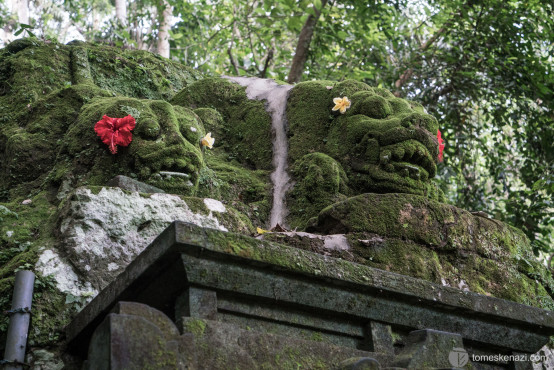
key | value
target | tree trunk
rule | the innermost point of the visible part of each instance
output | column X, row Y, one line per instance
column 121, row 12
column 163, row 34
column 303, row 46
column 234, row 32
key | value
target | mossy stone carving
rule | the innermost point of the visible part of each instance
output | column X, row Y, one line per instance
column 366, row 173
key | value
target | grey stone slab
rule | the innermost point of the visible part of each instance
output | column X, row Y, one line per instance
column 432, row 349
column 362, row 277
column 268, row 311
column 138, row 339
column 381, row 337
column 254, row 271
column 197, row 302
column 220, row 345
column 364, row 305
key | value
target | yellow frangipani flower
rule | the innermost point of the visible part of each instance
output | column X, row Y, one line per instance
column 261, row 231
column 208, row 140
column 342, row 104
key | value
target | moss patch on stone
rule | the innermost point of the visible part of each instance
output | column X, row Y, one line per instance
column 246, row 128
column 415, row 236
column 246, row 190
column 137, row 73
column 321, row 181
column 309, row 116
column 21, row 239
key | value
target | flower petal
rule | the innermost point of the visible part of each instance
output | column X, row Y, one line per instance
column 115, row 131
column 341, row 104
column 127, row 123
column 208, row 140
column 105, row 129
column 441, row 145
column 124, row 138
column 261, row 231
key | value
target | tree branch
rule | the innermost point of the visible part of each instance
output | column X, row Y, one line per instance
column 303, row 45
column 408, row 73
column 268, row 59
column 231, row 42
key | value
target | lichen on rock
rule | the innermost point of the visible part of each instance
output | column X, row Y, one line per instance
column 102, row 230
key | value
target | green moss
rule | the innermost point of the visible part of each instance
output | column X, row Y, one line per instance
column 316, row 337
column 196, row 205
column 236, row 221
column 246, row 131
column 31, row 142
column 246, row 190
column 348, row 88
column 403, row 257
column 309, row 115
column 137, row 73
column 30, row 70
column 21, row 239
column 320, row 182
column 20, row 236
column 232, row 219
column 195, row 326
column 213, row 122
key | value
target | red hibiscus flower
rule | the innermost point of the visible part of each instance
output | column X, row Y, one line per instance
column 441, row 144
column 115, row 131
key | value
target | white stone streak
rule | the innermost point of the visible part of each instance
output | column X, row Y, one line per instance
column 276, row 97
column 214, row 205
column 50, row 264
column 336, row 242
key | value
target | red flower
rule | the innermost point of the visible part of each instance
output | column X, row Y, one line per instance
column 115, row 131
column 441, row 144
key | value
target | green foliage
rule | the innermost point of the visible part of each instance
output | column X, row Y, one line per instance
column 488, row 76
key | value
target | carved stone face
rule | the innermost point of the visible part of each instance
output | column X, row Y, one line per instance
column 164, row 152
column 46, row 89
column 384, row 143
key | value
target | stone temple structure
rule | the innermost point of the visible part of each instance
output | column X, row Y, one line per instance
column 156, row 256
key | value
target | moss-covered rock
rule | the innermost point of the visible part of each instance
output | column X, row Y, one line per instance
column 43, row 86
column 246, row 129
column 419, row 237
column 321, row 181
column 160, row 144
column 384, row 144
column 246, row 190
column 309, row 117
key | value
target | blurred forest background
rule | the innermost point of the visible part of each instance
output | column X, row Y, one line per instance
column 483, row 68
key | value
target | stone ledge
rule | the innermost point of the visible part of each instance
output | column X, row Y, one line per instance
column 244, row 271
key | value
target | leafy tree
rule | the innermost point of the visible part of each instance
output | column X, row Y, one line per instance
column 488, row 75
